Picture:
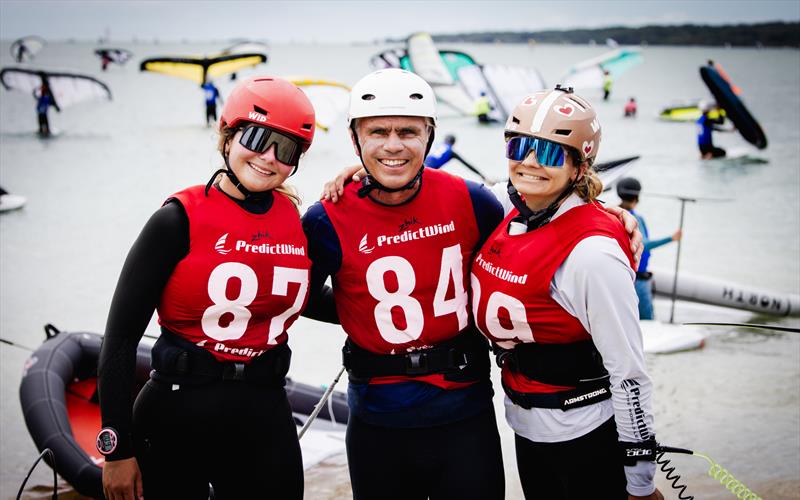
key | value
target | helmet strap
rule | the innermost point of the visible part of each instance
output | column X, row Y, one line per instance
column 235, row 180
column 212, row 179
column 535, row 219
column 369, row 184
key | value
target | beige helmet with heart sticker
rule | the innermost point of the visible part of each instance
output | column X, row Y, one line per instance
column 560, row 116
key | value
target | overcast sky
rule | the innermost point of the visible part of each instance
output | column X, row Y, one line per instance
column 367, row 20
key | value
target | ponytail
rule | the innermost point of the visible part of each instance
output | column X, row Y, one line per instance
column 589, row 186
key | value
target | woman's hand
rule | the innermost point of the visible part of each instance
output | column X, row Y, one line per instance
column 122, row 480
column 333, row 189
column 632, row 227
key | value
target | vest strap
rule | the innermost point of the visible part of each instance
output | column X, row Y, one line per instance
column 177, row 360
column 555, row 364
column 464, row 358
column 587, row 393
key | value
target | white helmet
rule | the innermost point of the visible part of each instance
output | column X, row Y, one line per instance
column 391, row 92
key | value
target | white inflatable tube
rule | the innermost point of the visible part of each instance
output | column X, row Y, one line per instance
column 722, row 293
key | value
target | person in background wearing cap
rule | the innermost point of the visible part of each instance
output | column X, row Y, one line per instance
column 398, row 247
column 628, row 190
column 215, row 409
column 443, row 152
column 482, row 109
column 552, row 288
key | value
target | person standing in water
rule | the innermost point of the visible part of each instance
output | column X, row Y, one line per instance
column 212, row 95
column 706, row 125
column 630, row 108
column 22, row 52
column 628, row 190
column 552, row 288
column 105, row 60
column 215, row 409
column 44, row 99
column 443, row 152
column 607, row 82
column 482, row 108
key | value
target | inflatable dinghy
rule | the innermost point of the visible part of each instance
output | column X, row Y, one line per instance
column 58, row 394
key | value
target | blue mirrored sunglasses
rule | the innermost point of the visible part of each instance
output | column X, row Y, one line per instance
column 548, row 153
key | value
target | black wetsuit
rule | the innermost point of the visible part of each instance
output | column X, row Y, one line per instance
column 236, row 435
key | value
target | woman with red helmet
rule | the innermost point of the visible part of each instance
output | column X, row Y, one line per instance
column 226, row 267
column 552, row 288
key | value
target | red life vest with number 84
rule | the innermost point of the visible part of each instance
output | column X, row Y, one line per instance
column 402, row 284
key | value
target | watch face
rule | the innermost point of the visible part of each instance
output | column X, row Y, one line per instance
column 107, row 441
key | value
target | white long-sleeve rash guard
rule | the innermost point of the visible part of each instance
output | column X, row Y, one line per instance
column 595, row 284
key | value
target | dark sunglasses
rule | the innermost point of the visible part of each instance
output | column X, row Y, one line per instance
column 548, row 153
column 259, row 139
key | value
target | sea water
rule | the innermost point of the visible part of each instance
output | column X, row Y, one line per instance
column 91, row 189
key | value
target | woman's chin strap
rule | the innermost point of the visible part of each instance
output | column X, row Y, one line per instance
column 248, row 195
column 235, row 180
column 535, row 219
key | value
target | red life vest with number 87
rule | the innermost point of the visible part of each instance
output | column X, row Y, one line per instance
column 244, row 280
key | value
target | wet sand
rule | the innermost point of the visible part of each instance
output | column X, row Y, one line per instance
column 329, row 480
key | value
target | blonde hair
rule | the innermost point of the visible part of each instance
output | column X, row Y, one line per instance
column 226, row 135
column 590, row 186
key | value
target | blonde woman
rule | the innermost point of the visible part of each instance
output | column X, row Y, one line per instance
column 226, row 267
column 553, row 289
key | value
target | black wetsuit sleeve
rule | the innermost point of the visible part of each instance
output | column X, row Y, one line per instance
column 163, row 242
column 488, row 211
column 325, row 252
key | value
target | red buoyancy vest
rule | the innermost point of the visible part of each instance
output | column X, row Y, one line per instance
column 511, row 278
column 244, row 280
column 402, row 282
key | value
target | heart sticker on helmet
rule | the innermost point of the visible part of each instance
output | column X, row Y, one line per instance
column 565, row 110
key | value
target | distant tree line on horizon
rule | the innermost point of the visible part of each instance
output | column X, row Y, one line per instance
column 774, row 34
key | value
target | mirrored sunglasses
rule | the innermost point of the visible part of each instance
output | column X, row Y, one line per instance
column 259, row 139
column 548, row 153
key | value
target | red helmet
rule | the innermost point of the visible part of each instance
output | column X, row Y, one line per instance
column 273, row 102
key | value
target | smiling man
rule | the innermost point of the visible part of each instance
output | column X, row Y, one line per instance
column 398, row 249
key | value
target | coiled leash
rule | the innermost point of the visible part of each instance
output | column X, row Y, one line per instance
column 716, row 471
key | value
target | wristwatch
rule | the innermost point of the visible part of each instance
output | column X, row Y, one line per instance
column 107, row 441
